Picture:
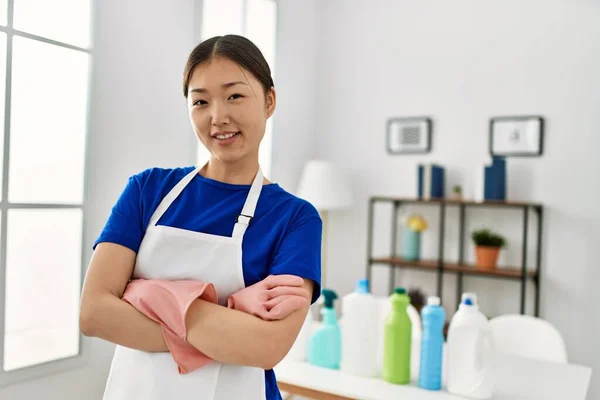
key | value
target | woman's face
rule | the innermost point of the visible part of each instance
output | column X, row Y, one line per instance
column 228, row 109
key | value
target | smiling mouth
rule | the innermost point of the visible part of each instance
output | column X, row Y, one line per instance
column 225, row 136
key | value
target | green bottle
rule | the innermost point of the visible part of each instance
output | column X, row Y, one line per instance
column 397, row 340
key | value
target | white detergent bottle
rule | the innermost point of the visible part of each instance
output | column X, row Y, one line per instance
column 299, row 349
column 359, row 332
column 469, row 347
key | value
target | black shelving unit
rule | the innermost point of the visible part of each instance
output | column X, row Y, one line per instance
column 440, row 266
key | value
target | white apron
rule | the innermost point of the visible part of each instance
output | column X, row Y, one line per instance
column 174, row 253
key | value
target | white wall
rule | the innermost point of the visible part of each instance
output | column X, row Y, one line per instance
column 296, row 82
column 138, row 119
column 462, row 62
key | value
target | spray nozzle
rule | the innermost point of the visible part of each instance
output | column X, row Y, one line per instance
column 329, row 296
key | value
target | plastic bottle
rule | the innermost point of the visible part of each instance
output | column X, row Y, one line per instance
column 397, row 340
column 433, row 317
column 325, row 343
column 359, row 332
column 469, row 370
column 299, row 349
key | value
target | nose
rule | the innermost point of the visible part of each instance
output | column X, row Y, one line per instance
column 220, row 115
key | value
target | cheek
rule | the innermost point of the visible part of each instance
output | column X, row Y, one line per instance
column 200, row 120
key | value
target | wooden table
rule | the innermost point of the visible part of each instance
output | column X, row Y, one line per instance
column 517, row 378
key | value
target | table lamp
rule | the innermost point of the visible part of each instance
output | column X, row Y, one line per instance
column 327, row 189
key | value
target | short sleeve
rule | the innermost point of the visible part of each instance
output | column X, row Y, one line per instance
column 299, row 252
column 124, row 224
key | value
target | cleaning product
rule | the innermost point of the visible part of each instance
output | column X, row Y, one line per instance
column 359, row 332
column 385, row 306
column 299, row 349
column 325, row 343
column 469, row 345
column 397, row 340
column 433, row 317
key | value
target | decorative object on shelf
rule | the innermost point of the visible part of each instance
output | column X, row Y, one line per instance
column 328, row 189
column 530, row 215
column 456, row 193
column 413, row 224
column 487, row 248
column 411, row 135
column 521, row 136
column 491, row 181
column 417, row 298
column 431, row 179
column 495, row 180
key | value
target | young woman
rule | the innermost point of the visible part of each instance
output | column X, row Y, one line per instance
column 224, row 224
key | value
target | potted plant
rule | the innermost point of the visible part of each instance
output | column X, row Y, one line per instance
column 456, row 193
column 487, row 248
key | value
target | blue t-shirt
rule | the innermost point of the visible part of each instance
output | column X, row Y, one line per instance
column 284, row 237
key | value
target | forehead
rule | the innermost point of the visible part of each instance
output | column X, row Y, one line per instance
column 218, row 71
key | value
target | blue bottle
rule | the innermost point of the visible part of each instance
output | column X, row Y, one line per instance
column 433, row 317
column 325, row 346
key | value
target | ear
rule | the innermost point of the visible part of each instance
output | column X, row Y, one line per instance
column 271, row 101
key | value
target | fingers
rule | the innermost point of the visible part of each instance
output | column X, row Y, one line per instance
column 277, row 300
column 272, row 281
column 285, row 307
column 287, row 290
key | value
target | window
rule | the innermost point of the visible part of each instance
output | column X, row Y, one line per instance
column 256, row 20
column 44, row 74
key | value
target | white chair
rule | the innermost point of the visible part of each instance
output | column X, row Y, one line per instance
column 528, row 336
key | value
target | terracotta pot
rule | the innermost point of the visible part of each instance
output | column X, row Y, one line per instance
column 486, row 257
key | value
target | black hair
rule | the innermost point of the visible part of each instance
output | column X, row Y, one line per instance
column 236, row 48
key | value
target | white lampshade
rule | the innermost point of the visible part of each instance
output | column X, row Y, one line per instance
column 324, row 186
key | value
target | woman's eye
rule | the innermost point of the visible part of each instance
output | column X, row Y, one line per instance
column 236, row 96
column 199, row 103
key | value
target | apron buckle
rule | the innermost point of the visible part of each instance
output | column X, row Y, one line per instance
column 244, row 222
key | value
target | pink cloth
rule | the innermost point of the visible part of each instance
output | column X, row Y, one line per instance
column 167, row 303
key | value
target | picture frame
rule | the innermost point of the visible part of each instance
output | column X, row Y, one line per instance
column 517, row 136
column 409, row 135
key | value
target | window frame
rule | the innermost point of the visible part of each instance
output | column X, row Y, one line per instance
column 67, row 363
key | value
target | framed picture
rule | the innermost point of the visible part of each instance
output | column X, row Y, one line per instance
column 517, row 136
column 411, row 135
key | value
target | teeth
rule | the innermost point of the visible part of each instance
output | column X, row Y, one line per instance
column 226, row 136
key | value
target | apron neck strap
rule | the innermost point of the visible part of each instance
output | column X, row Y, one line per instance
column 243, row 220
column 172, row 195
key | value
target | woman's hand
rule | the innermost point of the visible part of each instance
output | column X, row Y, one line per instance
column 273, row 298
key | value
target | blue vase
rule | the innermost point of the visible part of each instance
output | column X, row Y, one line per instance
column 411, row 248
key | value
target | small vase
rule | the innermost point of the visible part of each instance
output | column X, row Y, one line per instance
column 486, row 257
column 411, row 248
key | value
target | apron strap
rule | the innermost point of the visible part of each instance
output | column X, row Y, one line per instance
column 243, row 220
column 171, row 196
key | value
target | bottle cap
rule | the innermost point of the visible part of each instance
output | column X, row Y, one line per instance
column 469, row 299
column 362, row 286
column 433, row 301
column 400, row 290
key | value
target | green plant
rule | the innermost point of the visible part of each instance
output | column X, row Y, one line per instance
column 485, row 237
column 457, row 189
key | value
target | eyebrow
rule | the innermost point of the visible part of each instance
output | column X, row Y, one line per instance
column 224, row 86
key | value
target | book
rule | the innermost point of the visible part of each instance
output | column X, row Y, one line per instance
column 495, row 180
column 431, row 180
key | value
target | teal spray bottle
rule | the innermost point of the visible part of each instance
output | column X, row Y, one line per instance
column 325, row 347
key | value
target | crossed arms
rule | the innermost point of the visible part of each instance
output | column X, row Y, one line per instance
column 224, row 334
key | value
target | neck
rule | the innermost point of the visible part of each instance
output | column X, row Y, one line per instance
column 240, row 173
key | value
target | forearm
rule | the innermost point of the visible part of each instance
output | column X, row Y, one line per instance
column 234, row 337
column 117, row 321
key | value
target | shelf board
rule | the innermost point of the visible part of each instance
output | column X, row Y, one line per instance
column 432, row 265
column 450, row 202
